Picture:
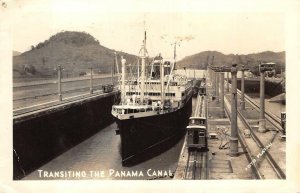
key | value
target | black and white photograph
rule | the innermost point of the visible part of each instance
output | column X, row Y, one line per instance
column 112, row 94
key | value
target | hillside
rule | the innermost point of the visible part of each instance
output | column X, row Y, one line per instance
column 200, row 60
column 78, row 51
column 75, row 51
column 16, row 53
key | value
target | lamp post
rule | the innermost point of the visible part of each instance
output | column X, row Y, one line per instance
column 262, row 120
column 91, row 81
column 227, row 82
column 222, row 92
column 59, row 69
column 243, row 88
column 234, row 129
column 217, row 85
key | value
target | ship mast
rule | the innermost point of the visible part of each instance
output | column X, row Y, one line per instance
column 116, row 63
column 174, row 68
column 162, row 82
column 138, row 69
column 123, row 61
column 174, row 63
column 143, row 57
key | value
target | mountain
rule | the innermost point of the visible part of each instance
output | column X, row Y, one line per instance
column 77, row 52
column 251, row 61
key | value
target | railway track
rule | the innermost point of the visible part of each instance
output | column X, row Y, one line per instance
column 197, row 162
column 273, row 119
column 258, row 151
column 196, row 167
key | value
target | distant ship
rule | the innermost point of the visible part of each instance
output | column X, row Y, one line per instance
column 155, row 105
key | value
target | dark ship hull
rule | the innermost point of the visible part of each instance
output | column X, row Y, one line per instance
column 143, row 136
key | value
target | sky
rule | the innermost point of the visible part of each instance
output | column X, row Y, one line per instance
column 121, row 27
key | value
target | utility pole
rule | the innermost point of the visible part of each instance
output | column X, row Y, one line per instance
column 59, row 68
column 222, row 93
column 215, row 82
column 217, row 86
column 227, row 82
column 262, row 120
column 243, row 88
column 112, row 75
column 234, row 129
column 91, row 81
column 263, row 67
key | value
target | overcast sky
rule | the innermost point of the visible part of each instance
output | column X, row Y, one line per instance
column 121, row 27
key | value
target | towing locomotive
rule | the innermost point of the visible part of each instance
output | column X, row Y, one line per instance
column 197, row 128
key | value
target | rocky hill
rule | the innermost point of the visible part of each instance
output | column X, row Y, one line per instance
column 200, row 60
column 75, row 51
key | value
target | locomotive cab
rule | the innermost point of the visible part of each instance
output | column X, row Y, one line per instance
column 197, row 138
column 197, row 134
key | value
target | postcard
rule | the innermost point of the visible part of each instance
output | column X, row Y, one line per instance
column 144, row 96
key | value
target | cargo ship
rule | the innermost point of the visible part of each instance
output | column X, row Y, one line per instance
column 155, row 105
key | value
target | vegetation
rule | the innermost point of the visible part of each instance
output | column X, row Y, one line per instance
column 77, row 52
column 251, row 61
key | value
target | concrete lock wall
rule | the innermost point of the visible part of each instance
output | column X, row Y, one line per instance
column 42, row 138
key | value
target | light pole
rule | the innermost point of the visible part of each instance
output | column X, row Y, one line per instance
column 262, row 120
column 234, row 129
column 227, row 82
column 91, row 81
column 217, row 85
column 59, row 68
column 243, row 88
column 222, row 92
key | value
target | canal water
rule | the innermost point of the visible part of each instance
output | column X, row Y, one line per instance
column 98, row 157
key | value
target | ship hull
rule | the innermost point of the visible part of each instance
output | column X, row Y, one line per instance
column 141, row 137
